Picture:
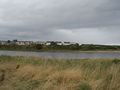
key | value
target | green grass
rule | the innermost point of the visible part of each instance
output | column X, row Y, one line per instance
column 35, row 73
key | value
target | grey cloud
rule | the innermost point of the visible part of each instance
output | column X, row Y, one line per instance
column 85, row 21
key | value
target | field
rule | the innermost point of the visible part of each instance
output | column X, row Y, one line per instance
column 35, row 73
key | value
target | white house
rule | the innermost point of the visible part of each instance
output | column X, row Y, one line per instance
column 24, row 42
column 3, row 42
column 69, row 43
column 66, row 43
column 59, row 43
column 40, row 42
column 48, row 42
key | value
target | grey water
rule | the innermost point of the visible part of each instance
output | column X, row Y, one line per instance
column 63, row 55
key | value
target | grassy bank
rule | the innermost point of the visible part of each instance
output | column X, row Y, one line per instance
column 35, row 73
column 62, row 48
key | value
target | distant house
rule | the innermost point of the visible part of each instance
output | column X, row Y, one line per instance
column 73, row 43
column 69, row 43
column 55, row 42
column 40, row 42
column 15, row 42
column 11, row 42
column 28, row 42
column 3, row 42
column 59, row 43
column 66, row 43
column 24, row 42
column 20, row 43
column 49, row 42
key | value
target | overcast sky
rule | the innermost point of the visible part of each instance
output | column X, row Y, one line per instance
column 84, row 21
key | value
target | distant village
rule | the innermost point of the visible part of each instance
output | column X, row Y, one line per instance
column 16, row 42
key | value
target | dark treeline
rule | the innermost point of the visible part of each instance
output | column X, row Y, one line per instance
column 53, row 47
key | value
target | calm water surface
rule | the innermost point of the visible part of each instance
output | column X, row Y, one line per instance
column 66, row 55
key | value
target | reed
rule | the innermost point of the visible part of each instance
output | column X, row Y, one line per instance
column 36, row 73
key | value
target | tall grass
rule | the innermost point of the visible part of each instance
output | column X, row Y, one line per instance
column 35, row 73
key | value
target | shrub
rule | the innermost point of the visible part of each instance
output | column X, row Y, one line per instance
column 2, row 75
column 116, row 61
column 18, row 66
column 84, row 86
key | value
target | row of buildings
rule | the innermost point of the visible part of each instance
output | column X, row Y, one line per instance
column 16, row 42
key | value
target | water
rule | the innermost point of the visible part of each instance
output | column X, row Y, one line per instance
column 65, row 55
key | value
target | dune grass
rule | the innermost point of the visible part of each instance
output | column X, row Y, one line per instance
column 35, row 73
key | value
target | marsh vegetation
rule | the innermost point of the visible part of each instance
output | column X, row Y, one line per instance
column 35, row 73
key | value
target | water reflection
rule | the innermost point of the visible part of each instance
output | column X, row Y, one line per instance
column 66, row 55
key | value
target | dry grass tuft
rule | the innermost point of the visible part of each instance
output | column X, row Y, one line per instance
column 34, row 73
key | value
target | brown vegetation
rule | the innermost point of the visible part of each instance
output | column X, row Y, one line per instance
column 34, row 73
